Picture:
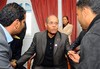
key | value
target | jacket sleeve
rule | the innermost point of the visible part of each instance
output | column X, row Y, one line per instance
column 78, row 40
column 67, row 45
column 5, row 53
column 90, row 52
column 28, row 54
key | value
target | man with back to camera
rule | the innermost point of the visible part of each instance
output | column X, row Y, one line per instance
column 12, row 20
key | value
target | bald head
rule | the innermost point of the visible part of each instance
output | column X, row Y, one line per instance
column 51, row 17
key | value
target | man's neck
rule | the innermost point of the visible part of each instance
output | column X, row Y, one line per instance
column 51, row 35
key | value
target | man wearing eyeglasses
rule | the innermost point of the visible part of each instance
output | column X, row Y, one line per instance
column 50, row 47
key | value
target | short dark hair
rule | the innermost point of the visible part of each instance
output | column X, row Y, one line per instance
column 66, row 17
column 11, row 12
column 93, row 4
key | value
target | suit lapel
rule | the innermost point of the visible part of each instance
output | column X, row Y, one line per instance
column 56, row 42
column 44, row 41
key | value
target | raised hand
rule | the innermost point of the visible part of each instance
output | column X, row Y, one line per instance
column 74, row 56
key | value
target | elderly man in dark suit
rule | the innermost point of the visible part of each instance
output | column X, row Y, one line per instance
column 50, row 47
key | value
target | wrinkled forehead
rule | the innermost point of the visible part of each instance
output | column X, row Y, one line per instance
column 52, row 18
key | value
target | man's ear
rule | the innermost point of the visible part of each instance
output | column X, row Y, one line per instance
column 86, row 11
column 16, row 24
column 45, row 25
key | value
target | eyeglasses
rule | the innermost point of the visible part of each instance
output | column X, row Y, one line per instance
column 51, row 23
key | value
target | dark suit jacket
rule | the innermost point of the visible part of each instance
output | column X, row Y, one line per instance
column 16, row 44
column 38, row 46
column 90, row 47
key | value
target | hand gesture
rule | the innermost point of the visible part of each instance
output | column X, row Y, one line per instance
column 13, row 63
column 74, row 56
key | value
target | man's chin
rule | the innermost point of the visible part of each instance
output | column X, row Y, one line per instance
column 53, row 33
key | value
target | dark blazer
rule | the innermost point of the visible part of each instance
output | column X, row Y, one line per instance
column 38, row 46
column 90, row 47
column 5, row 51
column 16, row 44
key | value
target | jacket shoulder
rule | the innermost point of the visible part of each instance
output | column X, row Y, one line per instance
column 63, row 35
column 40, row 33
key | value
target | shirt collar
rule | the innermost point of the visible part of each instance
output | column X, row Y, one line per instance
column 8, row 36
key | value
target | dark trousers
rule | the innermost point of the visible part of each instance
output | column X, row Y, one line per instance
column 47, row 68
column 22, row 67
column 72, row 64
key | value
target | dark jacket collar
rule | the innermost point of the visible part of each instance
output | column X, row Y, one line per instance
column 93, row 22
